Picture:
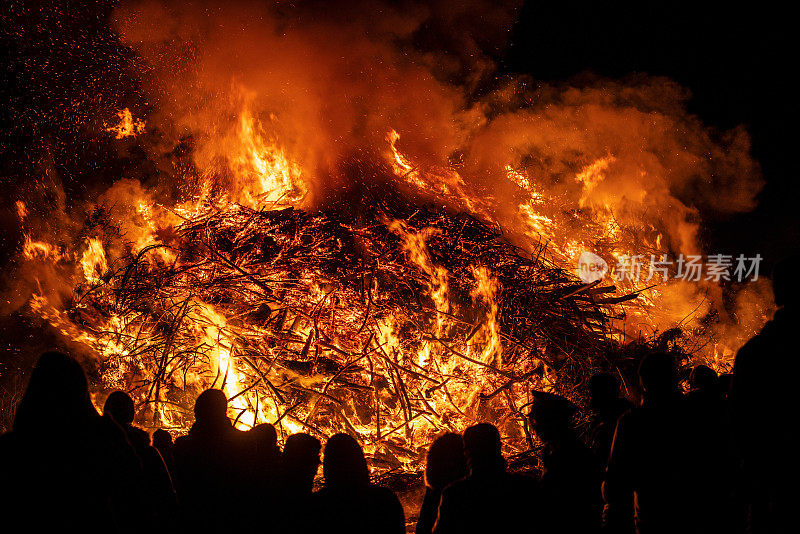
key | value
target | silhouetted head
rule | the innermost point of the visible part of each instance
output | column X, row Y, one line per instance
column 344, row 465
column 603, row 392
column 302, row 449
column 551, row 416
column 785, row 281
column 482, row 449
column 57, row 394
column 211, row 407
column 265, row 439
column 162, row 440
column 265, row 435
column 301, row 460
column 657, row 377
column 446, row 462
column 704, row 378
column 119, row 405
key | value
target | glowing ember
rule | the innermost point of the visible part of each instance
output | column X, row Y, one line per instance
column 127, row 125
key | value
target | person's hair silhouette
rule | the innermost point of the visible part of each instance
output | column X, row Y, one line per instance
column 162, row 441
column 298, row 468
column 348, row 502
column 606, row 407
column 489, row 499
column 212, row 462
column 64, row 453
column 551, row 416
column 157, row 490
column 263, row 465
column 211, row 409
column 300, row 461
column 266, row 435
column 265, row 444
column 571, row 473
column 704, row 378
column 445, row 464
column 57, row 395
column 120, row 406
column 483, row 449
column 658, row 377
column 344, row 465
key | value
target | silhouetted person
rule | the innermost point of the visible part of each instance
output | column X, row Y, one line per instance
column 300, row 463
column 704, row 384
column 162, row 441
column 647, row 456
column 570, row 485
column 120, row 407
column 157, row 490
column 763, row 395
column 445, row 464
column 660, row 462
column 489, row 499
column 709, row 412
column 63, row 468
column 606, row 406
column 707, row 405
column 211, row 467
column 298, row 466
column 266, row 452
column 260, row 489
column 348, row 502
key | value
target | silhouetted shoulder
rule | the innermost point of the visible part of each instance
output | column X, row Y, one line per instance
column 457, row 488
column 386, row 500
column 370, row 509
column 79, row 466
column 486, row 504
column 138, row 437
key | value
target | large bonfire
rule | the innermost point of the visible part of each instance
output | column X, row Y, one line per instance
column 393, row 326
column 437, row 292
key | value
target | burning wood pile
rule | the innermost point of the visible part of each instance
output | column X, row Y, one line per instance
column 254, row 223
column 390, row 330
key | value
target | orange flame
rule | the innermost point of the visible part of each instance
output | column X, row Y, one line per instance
column 126, row 126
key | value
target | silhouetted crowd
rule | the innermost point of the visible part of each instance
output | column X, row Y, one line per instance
column 717, row 458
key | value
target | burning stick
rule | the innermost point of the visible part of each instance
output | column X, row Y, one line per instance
column 369, row 330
